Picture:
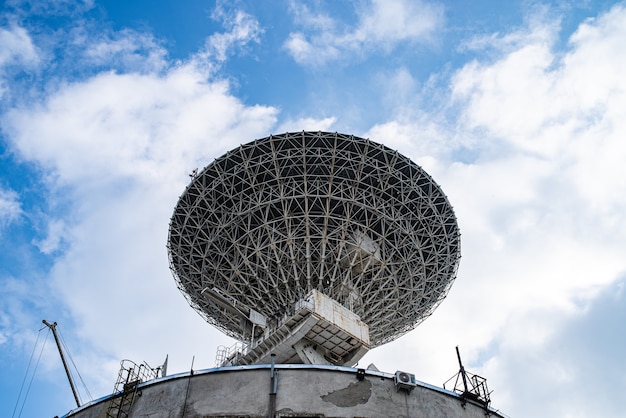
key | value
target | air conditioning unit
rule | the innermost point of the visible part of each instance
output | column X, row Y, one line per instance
column 404, row 381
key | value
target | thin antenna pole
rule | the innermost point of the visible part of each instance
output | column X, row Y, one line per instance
column 53, row 327
column 462, row 370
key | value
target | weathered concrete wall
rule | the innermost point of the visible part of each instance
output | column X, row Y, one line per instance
column 302, row 391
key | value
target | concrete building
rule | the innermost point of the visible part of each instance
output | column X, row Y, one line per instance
column 299, row 391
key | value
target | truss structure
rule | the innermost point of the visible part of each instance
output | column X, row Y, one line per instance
column 266, row 223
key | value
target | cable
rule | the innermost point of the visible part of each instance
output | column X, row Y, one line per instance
column 69, row 354
column 34, row 372
column 27, row 370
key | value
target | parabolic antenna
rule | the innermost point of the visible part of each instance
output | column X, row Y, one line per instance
column 269, row 222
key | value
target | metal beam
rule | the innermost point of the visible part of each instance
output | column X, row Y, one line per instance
column 53, row 327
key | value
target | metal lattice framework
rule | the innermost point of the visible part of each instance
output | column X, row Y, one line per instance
column 273, row 219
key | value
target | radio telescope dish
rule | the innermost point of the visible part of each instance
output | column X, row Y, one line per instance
column 272, row 220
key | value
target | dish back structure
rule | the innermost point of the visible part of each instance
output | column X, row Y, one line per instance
column 272, row 220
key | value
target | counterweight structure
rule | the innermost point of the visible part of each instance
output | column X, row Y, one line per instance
column 265, row 225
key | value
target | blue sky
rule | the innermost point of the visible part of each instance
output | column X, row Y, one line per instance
column 517, row 109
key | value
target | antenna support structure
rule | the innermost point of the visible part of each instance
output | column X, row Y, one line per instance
column 53, row 327
column 314, row 246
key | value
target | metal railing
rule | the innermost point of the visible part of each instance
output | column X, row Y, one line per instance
column 469, row 385
column 227, row 356
column 131, row 374
column 125, row 391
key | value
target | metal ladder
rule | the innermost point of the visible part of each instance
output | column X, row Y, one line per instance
column 127, row 387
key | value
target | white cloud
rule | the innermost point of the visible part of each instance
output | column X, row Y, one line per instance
column 10, row 207
column 19, row 300
column 418, row 135
column 388, row 22
column 130, row 126
column 381, row 26
column 55, row 236
column 52, row 7
column 569, row 110
column 317, row 20
column 115, row 150
column 17, row 47
column 541, row 26
column 120, row 147
column 16, row 50
column 575, row 369
column 533, row 168
column 401, row 84
column 126, row 50
column 541, row 205
column 242, row 28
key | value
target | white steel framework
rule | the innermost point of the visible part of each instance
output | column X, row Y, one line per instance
column 266, row 223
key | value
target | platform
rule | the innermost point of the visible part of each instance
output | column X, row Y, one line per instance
column 319, row 331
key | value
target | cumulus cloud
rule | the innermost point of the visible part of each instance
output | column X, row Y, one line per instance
column 136, row 124
column 569, row 110
column 124, row 163
column 576, row 366
column 531, row 164
column 541, row 206
column 381, row 26
column 116, row 149
column 121, row 147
